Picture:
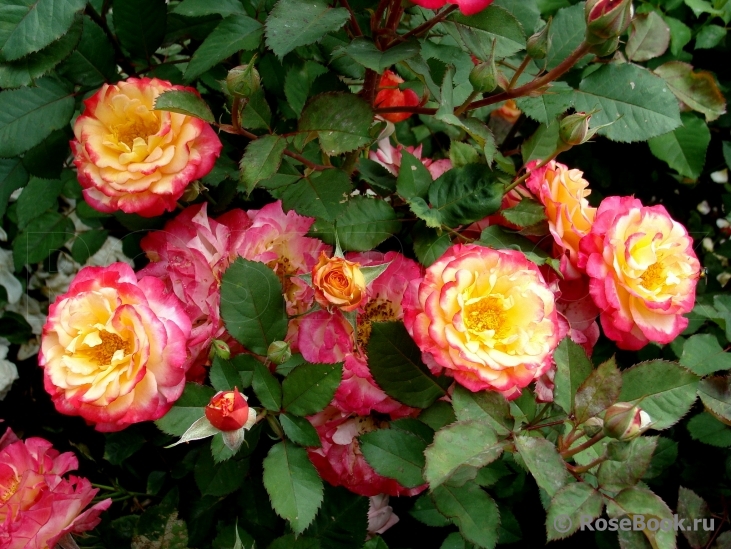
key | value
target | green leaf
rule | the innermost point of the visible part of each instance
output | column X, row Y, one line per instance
column 184, row 102
column 291, row 541
column 464, row 195
column 526, row 213
column 665, row 455
column 45, row 234
column 341, row 120
column 567, row 31
column 568, row 507
column 199, row 8
column 163, row 530
column 413, row 178
column 122, row 445
column 478, row 31
column 640, row 501
column 267, row 388
column 548, row 106
column 395, row 362
column 542, row 144
column 715, row 393
column 299, row 430
column 364, row 51
column 698, row 89
column 13, row 176
column 637, row 103
column 261, row 160
column 472, row 510
column 487, row 406
column 310, row 387
column 426, row 512
column 459, row 450
column 294, row 23
column 320, row 194
column 140, row 25
column 649, row 37
column 26, row 26
column 461, row 154
column 680, row 34
column 24, row 71
column 256, row 115
column 92, row 63
column 544, row 462
column 429, row 245
column 298, row 82
column 342, row 521
column 37, row 197
column 614, row 475
column 233, row 34
column 187, row 409
column 572, row 368
column 692, row 507
column 363, row 225
column 702, row 355
column 224, row 376
column 219, row 479
column 665, row 390
column 708, row 430
column 29, row 115
column 709, row 37
column 394, row 453
column 87, row 244
column 598, row 392
column 684, row 149
column 294, row 487
column 252, row 305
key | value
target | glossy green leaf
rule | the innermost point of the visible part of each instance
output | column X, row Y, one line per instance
column 320, row 194
column 487, row 406
column 708, row 430
column 413, row 178
column 464, row 195
column 395, row 453
column 715, row 393
column 614, row 475
column 140, row 25
column 341, row 121
column 649, row 37
column 299, row 430
column 598, row 391
column 572, row 368
column 474, row 512
column 364, row 51
column 87, row 244
column 692, row 507
column 92, row 62
column 267, row 388
column 43, row 235
column 568, row 506
column 362, row 225
column 261, row 160
column 187, row 409
column 310, row 387
column 184, row 102
column 684, row 149
column 544, row 462
column 697, row 89
column 478, row 31
column 702, row 355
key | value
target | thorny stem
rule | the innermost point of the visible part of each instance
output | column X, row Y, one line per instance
column 353, row 20
column 550, row 424
column 424, row 27
column 459, row 110
column 586, row 468
column 581, row 447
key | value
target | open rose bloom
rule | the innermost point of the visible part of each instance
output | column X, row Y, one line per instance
column 133, row 158
column 38, row 506
column 114, row 349
column 643, row 272
column 485, row 317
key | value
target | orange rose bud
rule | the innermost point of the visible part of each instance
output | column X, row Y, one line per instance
column 228, row 410
column 389, row 95
column 339, row 282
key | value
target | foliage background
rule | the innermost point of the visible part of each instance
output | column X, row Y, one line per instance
column 78, row 49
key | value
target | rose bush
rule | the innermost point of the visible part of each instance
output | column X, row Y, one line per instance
column 311, row 274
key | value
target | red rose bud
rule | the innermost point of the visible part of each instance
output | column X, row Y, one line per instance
column 540, row 42
column 625, row 421
column 228, row 410
column 606, row 19
column 389, row 95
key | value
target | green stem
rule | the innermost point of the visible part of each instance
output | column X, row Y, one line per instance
column 518, row 72
column 526, row 175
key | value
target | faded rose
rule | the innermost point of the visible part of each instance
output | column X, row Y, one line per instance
column 643, row 272
column 486, row 317
column 133, row 158
column 114, row 349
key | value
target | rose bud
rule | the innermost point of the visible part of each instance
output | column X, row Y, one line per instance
column 279, row 352
column 574, row 129
column 606, row 19
column 220, row 349
column 540, row 42
column 625, row 421
column 243, row 81
column 228, row 410
column 339, row 282
column 484, row 77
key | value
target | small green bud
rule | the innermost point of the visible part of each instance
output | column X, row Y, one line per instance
column 625, row 421
column 606, row 19
column 592, row 426
column 220, row 349
column 243, row 81
column 279, row 352
column 540, row 42
column 484, row 77
column 574, row 129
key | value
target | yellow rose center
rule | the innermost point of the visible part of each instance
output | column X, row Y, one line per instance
column 485, row 314
column 653, row 277
column 127, row 132
column 6, row 492
column 103, row 353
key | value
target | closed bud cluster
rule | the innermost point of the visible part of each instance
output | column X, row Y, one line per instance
column 540, row 42
column 624, row 421
column 607, row 19
column 243, row 81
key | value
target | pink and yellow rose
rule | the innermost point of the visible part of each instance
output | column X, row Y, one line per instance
column 643, row 272
column 38, row 506
column 114, row 349
column 486, row 317
column 563, row 194
column 133, row 158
